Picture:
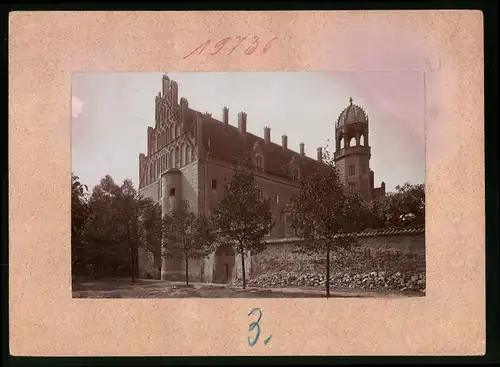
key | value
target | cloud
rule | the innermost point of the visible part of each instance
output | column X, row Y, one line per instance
column 76, row 107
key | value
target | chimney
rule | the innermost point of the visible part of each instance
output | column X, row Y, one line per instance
column 225, row 116
column 382, row 186
column 301, row 145
column 320, row 154
column 267, row 134
column 284, row 141
column 242, row 122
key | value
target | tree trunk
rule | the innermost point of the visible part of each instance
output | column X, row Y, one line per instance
column 327, row 271
column 243, row 267
column 187, row 269
column 132, row 263
column 132, row 254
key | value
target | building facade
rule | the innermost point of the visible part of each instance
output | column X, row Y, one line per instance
column 190, row 155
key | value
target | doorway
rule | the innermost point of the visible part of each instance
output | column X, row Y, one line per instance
column 224, row 264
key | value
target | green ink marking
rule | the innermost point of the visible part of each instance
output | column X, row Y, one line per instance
column 268, row 339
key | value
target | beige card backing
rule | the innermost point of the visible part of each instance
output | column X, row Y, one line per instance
column 45, row 48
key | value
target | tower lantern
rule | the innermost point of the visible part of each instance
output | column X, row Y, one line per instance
column 352, row 152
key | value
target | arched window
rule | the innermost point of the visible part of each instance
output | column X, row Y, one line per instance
column 182, row 156
column 260, row 162
column 177, row 157
column 188, row 154
column 296, row 174
column 352, row 142
column 192, row 155
column 177, row 131
column 342, row 142
column 362, row 140
column 169, row 163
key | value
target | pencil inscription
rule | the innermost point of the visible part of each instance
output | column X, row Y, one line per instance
column 228, row 45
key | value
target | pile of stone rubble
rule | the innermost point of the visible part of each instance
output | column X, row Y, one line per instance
column 358, row 268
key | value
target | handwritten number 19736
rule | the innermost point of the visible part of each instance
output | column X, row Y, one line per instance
column 248, row 44
column 255, row 325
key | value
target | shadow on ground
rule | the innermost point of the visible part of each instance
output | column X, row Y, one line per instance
column 119, row 288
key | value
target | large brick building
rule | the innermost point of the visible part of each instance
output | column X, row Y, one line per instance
column 191, row 155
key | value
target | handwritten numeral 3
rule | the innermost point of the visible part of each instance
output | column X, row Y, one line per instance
column 255, row 327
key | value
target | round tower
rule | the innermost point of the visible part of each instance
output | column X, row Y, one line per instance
column 172, row 266
column 352, row 151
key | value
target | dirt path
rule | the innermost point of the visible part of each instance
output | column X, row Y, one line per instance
column 119, row 288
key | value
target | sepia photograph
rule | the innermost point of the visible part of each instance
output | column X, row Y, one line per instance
column 248, row 185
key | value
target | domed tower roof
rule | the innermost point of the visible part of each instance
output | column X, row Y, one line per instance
column 351, row 115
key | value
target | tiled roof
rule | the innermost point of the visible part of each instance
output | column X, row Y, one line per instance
column 365, row 233
column 227, row 142
column 391, row 231
column 352, row 114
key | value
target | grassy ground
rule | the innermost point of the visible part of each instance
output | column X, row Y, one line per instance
column 123, row 288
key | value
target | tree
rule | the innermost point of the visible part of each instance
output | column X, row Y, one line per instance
column 111, row 232
column 150, row 227
column 79, row 214
column 129, row 211
column 188, row 234
column 403, row 208
column 325, row 214
column 410, row 199
column 242, row 216
column 106, row 246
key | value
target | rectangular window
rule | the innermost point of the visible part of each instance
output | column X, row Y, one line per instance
column 277, row 198
column 214, row 184
column 352, row 170
column 352, row 188
column 260, row 193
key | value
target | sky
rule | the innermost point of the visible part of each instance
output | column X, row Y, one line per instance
column 112, row 111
